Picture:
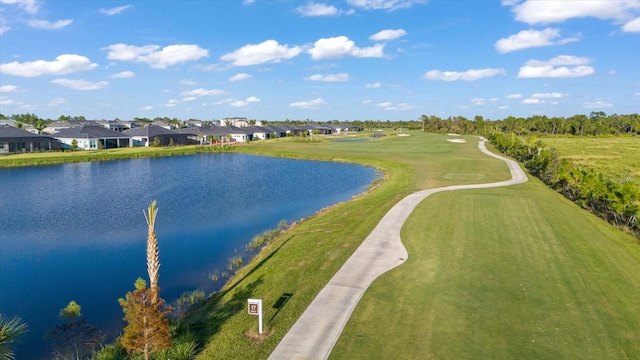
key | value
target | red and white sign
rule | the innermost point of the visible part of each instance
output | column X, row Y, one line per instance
column 255, row 308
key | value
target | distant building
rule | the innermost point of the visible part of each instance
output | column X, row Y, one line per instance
column 239, row 122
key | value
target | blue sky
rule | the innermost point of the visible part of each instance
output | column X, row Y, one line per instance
column 319, row 60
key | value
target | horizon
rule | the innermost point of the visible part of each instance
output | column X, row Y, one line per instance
column 388, row 60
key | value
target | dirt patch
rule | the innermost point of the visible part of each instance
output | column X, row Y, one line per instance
column 258, row 338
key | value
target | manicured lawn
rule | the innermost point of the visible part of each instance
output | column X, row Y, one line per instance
column 509, row 273
column 616, row 157
column 302, row 261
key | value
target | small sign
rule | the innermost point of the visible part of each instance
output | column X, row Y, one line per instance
column 255, row 308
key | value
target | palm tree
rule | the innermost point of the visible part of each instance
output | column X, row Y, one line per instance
column 153, row 254
column 10, row 330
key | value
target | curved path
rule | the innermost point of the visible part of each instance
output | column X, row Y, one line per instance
column 318, row 328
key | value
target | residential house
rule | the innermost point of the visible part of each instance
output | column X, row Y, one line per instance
column 87, row 137
column 14, row 140
column 112, row 125
column 146, row 136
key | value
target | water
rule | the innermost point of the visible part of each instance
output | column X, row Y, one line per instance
column 77, row 231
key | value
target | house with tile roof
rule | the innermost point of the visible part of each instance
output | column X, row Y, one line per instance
column 87, row 137
column 14, row 140
column 146, row 136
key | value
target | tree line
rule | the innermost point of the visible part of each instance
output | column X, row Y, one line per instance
column 597, row 123
column 615, row 200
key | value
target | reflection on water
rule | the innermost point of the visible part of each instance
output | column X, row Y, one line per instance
column 77, row 231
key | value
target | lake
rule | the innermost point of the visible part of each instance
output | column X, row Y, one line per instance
column 77, row 231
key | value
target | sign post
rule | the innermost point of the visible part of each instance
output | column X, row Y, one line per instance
column 255, row 308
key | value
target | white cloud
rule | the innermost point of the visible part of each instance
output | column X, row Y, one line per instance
column 532, row 101
column 8, row 88
column 478, row 101
column 554, row 95
column 123, row 75
column 384, row 4
column 114, row 11
column 636, row 94
column 374, row 85
column 154, row 56
column 30, row 6
column 309, row 104
column 188, row 82
column 241, row 103
column 80, row 84
column 386, row 35
column 172, row 103
column 317, row 9
column 56, row 102
column 63, row 64
column 389, row 106
column 545, row 12
column 6, row 101
column 147, row 108
column 563, row 66
column 48, row 25
column 632, row 26
column 267, row 51
column 329, row 77
column 531, row 38
column 469, row 75
column 341, row 46
column 238, row 77
column 202, row 92
column 503, row 107
column 514, row 96
column 4, row 29
column 597, row 104
column 494, row 99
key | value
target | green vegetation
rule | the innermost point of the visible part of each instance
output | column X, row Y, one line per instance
column 506, row 273
column 10, row 331
column 615, row 200
column 618, row 157
column 75, row 338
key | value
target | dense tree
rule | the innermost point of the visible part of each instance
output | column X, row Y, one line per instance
column 75, row 338
column 10, row 330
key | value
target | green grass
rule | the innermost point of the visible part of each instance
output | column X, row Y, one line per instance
column 302, row 262
column 509, row 273
column 616, row 157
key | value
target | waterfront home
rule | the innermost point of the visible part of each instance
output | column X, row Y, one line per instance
column 14, row 140
column 157, row 135
column 87, row 137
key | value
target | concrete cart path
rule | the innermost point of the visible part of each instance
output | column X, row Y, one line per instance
column 318, row 328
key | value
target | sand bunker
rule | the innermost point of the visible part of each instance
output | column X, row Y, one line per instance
column 453, row 134
column 459, row 141
column 403, row 134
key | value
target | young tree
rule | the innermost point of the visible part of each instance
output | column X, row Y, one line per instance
column 10, row 330
column 74, row 145
column 145, row 313
column 75, row 339
column 147, row 329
